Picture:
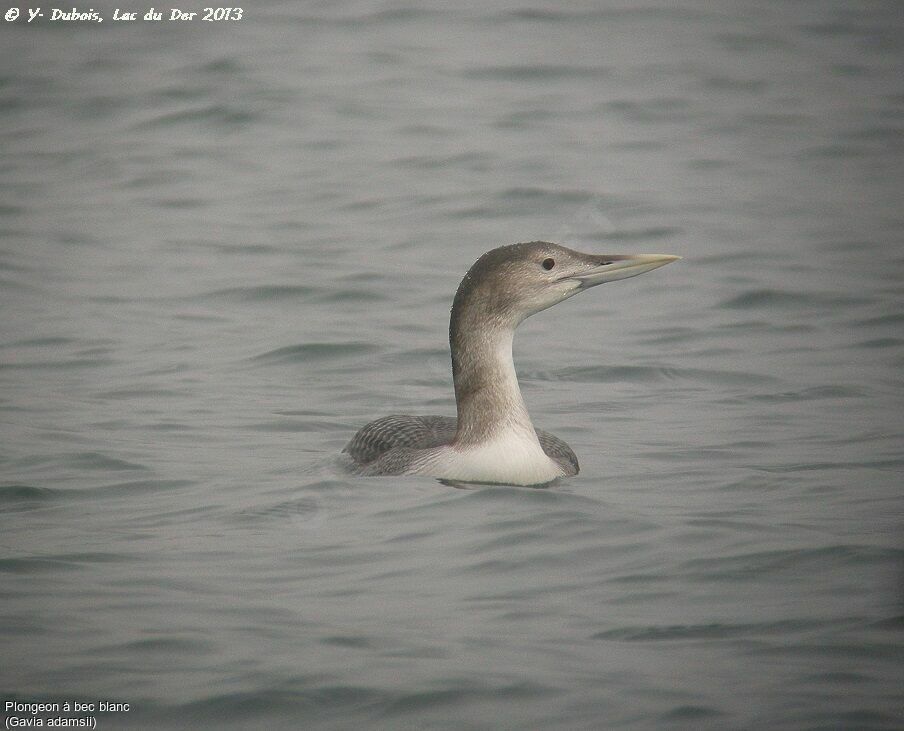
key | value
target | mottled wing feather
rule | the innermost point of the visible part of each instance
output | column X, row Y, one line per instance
column 423, row 432
column 558, row 451
column 417, row 432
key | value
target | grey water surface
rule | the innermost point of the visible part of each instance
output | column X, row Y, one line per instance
column 226, row 246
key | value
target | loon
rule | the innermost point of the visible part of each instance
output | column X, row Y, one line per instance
column 493, row 439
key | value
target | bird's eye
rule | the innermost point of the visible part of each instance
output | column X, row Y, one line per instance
column 548, row 264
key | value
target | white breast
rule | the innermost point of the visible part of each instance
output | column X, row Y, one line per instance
column 513, row 458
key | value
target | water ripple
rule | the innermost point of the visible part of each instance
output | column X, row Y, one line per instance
column 649, row 374
column 307, row 352
column 790, row 563
column 25, row 497
column 712, row 631
column 780, row 299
